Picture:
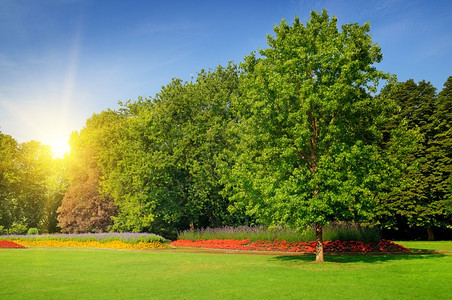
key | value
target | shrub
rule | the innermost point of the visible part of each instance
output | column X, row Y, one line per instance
column 336, row 231
column 345, row 231
column 17, row 228
column 253, row 233
column 33, row 231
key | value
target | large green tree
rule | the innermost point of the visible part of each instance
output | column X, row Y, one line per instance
column 309, row 125
column 84, row 208
column 167, row 177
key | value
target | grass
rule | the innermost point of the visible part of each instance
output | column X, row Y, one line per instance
column 55, row 273
column 427, row 245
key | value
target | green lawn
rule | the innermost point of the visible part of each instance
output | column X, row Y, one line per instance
column 426, row 245
column 55, row 273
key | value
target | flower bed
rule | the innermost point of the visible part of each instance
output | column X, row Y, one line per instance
column 95, row 244
column 112, row 240
column 277, row 245
column 126, row 237
column 9, row 244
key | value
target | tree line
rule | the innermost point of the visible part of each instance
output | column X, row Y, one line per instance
column 32, row 186
column 298, row 134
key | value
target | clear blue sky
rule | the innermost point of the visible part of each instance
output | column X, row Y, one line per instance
column 63, row 60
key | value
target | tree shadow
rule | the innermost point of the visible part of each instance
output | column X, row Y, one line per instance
column 358, row 258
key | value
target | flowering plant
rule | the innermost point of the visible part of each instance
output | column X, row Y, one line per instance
column 9, row 244
column 112, row 240
column 278, row 245
column 126, row 237
column 95, row 244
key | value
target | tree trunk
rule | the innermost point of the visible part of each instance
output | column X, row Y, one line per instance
column 431, row 236
column 319, row 243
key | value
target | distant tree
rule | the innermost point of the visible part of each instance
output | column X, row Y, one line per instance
column 422, row 200
column 56, row 187
column 31, row 185
column 8, row 178
column 84, row 208
column 442, row 147
column 33, row 163
column 309, row 127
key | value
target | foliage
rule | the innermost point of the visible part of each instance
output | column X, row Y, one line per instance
column 33, row 231
column 33, row 164
column 56, row 187
column 351, row 232
column 83, row 208
column 8, row 179
column 422, row 200
column 442, row 147
column 334, row 231
column 253, row 233
column 309, row 125
column 166, row 176
column 294, row 138
column 31, row 185
column 17, row 228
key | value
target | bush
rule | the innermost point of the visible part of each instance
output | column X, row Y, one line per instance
column 344, row 231
column 335, row 231
column 17, row 228
column 253, row 233
column 33, row 231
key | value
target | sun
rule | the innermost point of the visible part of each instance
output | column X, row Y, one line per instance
column 56, row 137
column 59, row 147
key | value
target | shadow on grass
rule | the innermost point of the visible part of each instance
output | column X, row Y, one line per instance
column 358, row 258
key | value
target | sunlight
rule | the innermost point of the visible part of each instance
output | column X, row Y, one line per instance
column 59, row 147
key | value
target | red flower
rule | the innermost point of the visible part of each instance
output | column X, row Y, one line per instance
column 277, row 245
column 9, row 244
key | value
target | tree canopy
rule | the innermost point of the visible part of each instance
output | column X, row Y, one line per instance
column 84, row 208
column 167, row 177
column 309, row 126
column 32, row 185
column 422, row 200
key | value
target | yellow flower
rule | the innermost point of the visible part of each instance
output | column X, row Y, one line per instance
column 94, row 244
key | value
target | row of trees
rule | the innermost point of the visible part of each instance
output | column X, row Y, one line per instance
column 154, row 165
column 298, row 136
column 423, row 198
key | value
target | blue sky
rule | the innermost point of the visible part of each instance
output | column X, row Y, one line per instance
column 63, row 60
